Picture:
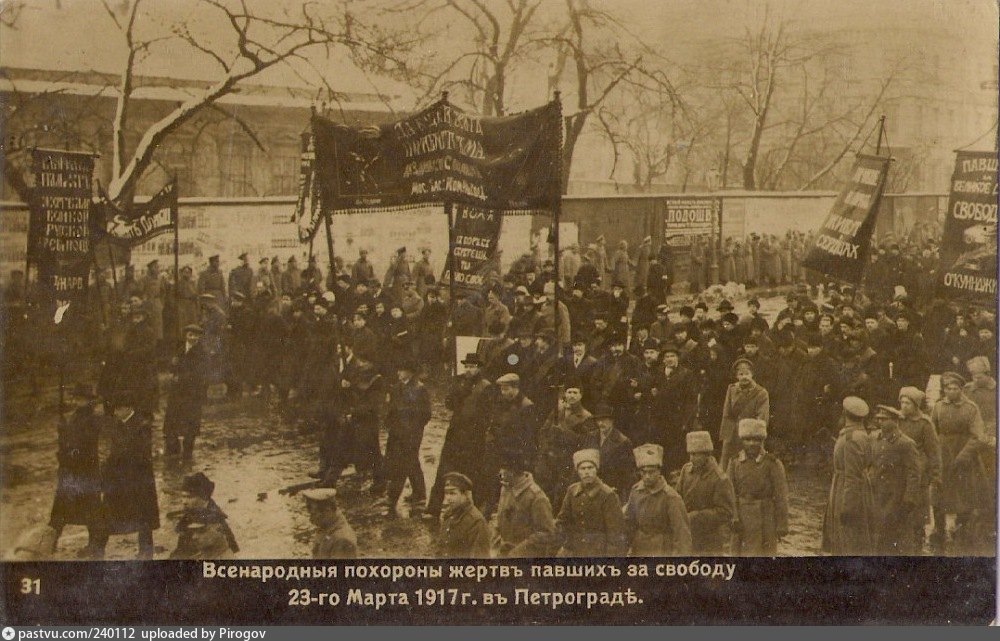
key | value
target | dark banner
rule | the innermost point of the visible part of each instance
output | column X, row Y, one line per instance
column 474, row 236
column 968, row 268
column 844, row 241
column 307, row 208
column 145, row 222
column 442, row 154
column 684, row 218
column 59, row 231
column 596, row 591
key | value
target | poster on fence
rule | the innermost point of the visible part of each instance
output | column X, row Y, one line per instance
column 968, row 268
column 686, row 218
column 844, row 241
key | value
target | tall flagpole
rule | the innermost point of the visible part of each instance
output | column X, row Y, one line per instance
column 176, row 215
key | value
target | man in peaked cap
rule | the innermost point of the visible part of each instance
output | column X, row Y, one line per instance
column 708, row 496
column 590, row 522
column 758, row 478
column 334, row 538
column 898, row 487
column 408, row 412
column 656, row 521
column 182, row 421
column 202, row 530
column 464, row 533
column 848, row 523
column 511, row 425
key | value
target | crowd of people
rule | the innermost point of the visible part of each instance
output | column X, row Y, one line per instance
column 611, row 417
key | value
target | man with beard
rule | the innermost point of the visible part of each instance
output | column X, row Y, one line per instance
column 580, row 367
column 408, row 412
column 896, row 477
column 182, row 421
column 511, row 426
column 464, row 533
column 661, row 329
column 673, row 404
column 656, row 522
column 561, row 434
column 525, row 527
column 708, row 497
column 590, row 521
column 615, row 449
column 464, row 448
column 761, row 490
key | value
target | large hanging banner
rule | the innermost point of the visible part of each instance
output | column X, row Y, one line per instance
column 60, row 226
column 844, row 241
column 442, row 154
column 968, row 268
column 145, row 221
column 475, row 235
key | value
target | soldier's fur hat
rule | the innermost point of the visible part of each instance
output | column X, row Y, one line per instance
column 752, row 427
column 699, row 442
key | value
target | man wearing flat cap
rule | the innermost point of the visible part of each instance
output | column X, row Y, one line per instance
column 525, row 527
column 202, row 530
column 408, row 412
column 708, row 496
column 848, row 522
column 464, row 533
column 656, row 521
column 511, row 425
column 758, row 479
column 963, row 492
column 334, row 538
column 186, row 395
column 898, row 488
column 590, row 521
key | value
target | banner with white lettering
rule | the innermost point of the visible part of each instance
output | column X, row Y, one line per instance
column 475, row 235
column 59, row 229
column 145, row 222
column 844, row 241
column 968, row 268
column 684, row 218
column 442, row 154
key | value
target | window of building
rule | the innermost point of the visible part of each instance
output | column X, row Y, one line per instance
column 284, row 170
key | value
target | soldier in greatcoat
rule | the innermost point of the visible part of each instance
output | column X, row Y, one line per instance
column 560, row 436
column 202, row 530
column 656, row 521
column 334, row 538
column 897, row 486
column 744, row 399
column 849, row 519
column 464, row 533
column 758, row 479
column 590, row 521
column 708, row 496
column 918, row 426
column 525, row 527
column 182, row 421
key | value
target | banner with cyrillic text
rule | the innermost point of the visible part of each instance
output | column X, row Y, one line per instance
column 442, row 154
column 475, row 235
column 968, row 268
column 146, row 221
column 844, row 241
column 59, row 232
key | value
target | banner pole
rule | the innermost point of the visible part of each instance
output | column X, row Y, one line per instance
column 881, row 133
column 450, row 261
column 329, row 244
column 175, row 213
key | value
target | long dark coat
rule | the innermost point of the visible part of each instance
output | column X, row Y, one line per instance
column 711, row 506
column 78, row 488
column 187, row 393
column 591, row 522
column 130, row 502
